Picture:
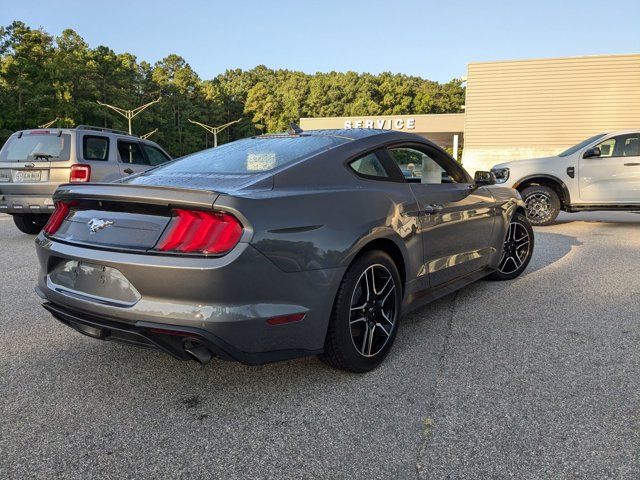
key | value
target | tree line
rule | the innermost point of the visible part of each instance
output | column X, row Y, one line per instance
column 43, row 77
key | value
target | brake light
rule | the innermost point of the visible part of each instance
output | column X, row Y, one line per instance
column 80, row 173
column 58, row 216
column 195, row 231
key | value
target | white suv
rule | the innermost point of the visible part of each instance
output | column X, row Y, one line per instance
column 600, row 173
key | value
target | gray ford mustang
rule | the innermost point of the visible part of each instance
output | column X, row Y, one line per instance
column 278, row 246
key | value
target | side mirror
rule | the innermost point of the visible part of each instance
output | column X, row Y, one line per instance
column 592, row 153
column 484, row 178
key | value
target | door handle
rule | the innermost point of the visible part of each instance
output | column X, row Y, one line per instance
column 128, row 171
column 631, row 164
column 434, row 207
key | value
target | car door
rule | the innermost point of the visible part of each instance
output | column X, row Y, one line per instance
column 614, row 175
column 457, row 218
column 132, row 158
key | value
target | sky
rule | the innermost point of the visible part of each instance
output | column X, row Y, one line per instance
column 435, row 40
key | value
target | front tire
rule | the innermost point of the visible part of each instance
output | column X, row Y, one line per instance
column 542, row 204
column 517, row 249
column 365, row 315
column 30, row 223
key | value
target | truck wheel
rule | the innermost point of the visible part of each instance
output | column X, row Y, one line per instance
column 30, row 223
column 542, row 204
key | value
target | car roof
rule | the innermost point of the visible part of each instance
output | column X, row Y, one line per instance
column 345, row 133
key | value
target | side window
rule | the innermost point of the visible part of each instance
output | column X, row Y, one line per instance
column 130, row 152
column 607, row 147
column 369, row 166
column 418, row 167
column 620, row 146
column 95, row 148
column 155, row 156
column 631, row 146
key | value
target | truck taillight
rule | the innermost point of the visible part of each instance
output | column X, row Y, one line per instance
column 80, row 173
column 58, row 216
column 195, row 231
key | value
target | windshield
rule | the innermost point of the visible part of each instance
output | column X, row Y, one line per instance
column 36, row 147
column 581, row 145
column 252, row 155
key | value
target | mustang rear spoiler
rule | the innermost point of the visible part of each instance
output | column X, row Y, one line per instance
column 145, row 194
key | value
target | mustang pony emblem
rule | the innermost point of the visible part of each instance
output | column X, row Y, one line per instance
column 97, row 224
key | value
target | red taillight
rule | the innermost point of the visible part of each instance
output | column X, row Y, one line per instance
column 194, row 231
column 80, row 173
column 58, row 216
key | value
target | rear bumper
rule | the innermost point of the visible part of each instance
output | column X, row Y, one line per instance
column 169, row 339
column 22, row 204
column 225, row 301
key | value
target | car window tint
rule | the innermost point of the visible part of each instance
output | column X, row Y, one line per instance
column 95, row 148
column 252, row 155
column 36, row 146
column 627, row 145
column 155, row 156
column 369, row 166
column 418, row 167
column 631, row 147
column 130, row 152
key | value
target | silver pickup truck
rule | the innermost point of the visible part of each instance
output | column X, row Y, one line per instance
column 33, row 163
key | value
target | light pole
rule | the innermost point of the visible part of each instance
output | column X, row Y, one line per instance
column 129, row 114
column 147, row 135
column 215, row 130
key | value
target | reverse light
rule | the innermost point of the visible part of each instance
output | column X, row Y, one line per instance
column 58, row 216
column 195, row 231
column 80, row 173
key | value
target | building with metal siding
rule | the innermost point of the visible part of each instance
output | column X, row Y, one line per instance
column 525, row 108
column 535, row 108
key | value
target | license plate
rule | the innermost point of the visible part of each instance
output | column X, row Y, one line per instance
column 31, row 176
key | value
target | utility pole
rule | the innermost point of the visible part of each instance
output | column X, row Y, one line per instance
column 48, row 124
column 129, row 114
column 215, row 130
column 147, row 135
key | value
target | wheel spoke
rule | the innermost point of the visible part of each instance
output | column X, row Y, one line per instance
column 379, row 325
column 357, row 320
column 364, row 338
column 384, row 315
column 386, row 291
column 373, row 329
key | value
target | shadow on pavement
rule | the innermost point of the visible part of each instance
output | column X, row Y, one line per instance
column 556, row 247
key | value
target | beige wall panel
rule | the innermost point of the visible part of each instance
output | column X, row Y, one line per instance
column 531, row 108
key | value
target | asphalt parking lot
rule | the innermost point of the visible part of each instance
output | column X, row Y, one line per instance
column 535, row 378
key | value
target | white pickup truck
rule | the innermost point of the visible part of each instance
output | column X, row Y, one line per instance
column 600, row 173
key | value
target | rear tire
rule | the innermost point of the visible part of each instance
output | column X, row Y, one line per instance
column 517, row 249
column 30, row 223
column 365, row 315
column 542, row 204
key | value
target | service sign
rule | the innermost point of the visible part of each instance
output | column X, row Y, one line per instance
column 382, row 123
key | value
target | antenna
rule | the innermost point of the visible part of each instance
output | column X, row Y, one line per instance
column 294, row 129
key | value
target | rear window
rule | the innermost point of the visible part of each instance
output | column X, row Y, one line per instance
column 36, row 147
column 252, row 155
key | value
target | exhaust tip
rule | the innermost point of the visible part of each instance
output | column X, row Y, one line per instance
column 197, row 351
